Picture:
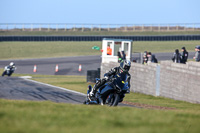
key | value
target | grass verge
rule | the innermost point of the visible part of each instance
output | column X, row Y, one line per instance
column 18, row 50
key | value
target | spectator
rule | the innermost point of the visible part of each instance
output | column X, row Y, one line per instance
column 145, row 58
column 152, row 58
column 121, row 56
column 184, row 55
column 176, row 58
column 109, row 50
column 197, row 54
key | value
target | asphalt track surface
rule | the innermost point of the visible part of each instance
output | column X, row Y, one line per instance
column 25, row 89
column 69, row 65
column 46, row 66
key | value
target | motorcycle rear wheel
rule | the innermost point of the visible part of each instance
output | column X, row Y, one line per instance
column 4, row 73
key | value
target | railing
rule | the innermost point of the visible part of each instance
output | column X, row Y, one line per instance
column 99, row 27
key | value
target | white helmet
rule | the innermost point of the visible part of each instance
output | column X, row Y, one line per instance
column 12, row 63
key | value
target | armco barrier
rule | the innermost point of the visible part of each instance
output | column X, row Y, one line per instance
column 100, row 38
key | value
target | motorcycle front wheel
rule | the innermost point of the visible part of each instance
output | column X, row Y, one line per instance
column 113, row 99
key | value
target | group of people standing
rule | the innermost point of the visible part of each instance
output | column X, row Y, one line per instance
column 176, row 58
column 180, row 57
column 149, row 57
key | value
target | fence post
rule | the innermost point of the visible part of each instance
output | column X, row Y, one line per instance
column 168, row 27
column 194, row 27
column 108, row 27
column 133, row 27
column 91, row 27
column 15, row 26
column 159, row 27
column 31, row 27
column 23, row 27
column 82, row 28
column 56, row 27
column 40, row 28
column 74, row 28
column 184, row 27
column 142, row 28
column 48, row 28
column 65, row 27
column 158, row 80
column 99, row 27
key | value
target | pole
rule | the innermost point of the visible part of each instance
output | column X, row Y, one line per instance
column 99, row 27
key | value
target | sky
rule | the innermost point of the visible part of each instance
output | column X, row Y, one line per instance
column 100, row 11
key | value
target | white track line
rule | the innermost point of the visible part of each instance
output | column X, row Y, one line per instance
column 55, row 87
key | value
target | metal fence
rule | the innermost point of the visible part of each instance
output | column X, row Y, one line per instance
column 99, row 27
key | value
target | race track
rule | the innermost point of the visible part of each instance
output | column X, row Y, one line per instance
column 69, row 65
column 22, row 89
column 46, row 66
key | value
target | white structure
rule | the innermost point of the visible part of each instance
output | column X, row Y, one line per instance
column 117, row 45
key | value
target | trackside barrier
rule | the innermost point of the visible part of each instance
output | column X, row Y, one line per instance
column 171, row 80
column 100, row 38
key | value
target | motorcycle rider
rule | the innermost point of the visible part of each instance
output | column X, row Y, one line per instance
column 11, row 67
column 123, row 68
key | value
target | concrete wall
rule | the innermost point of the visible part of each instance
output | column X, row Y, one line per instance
column 180, row 81
column 172, row 80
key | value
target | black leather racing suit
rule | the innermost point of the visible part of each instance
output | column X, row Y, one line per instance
column 114, row 71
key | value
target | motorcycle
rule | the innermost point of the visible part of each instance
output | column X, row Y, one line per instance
column 8, row 71
column 112, row 92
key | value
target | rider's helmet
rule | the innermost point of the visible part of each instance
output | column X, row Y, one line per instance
column 12, row 64
column 125, row 65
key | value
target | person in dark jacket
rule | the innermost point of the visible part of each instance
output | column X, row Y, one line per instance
column 176, row 58
column 152, row 58
column 184, row 55
column 123, row 68
column 197, row 54
column 145, row 58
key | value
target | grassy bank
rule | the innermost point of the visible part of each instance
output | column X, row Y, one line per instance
column 30, row 116
column 40, row 117
column 16, row 50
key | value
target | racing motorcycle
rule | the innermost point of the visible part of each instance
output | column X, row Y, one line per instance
column 112, row 92
column 8, row 70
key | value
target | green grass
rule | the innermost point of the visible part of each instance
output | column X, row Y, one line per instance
column 18, row 50
column 95, row 33
column 39, row 117
column 10, row 50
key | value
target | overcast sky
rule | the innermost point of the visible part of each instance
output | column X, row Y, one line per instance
column 100, row 11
